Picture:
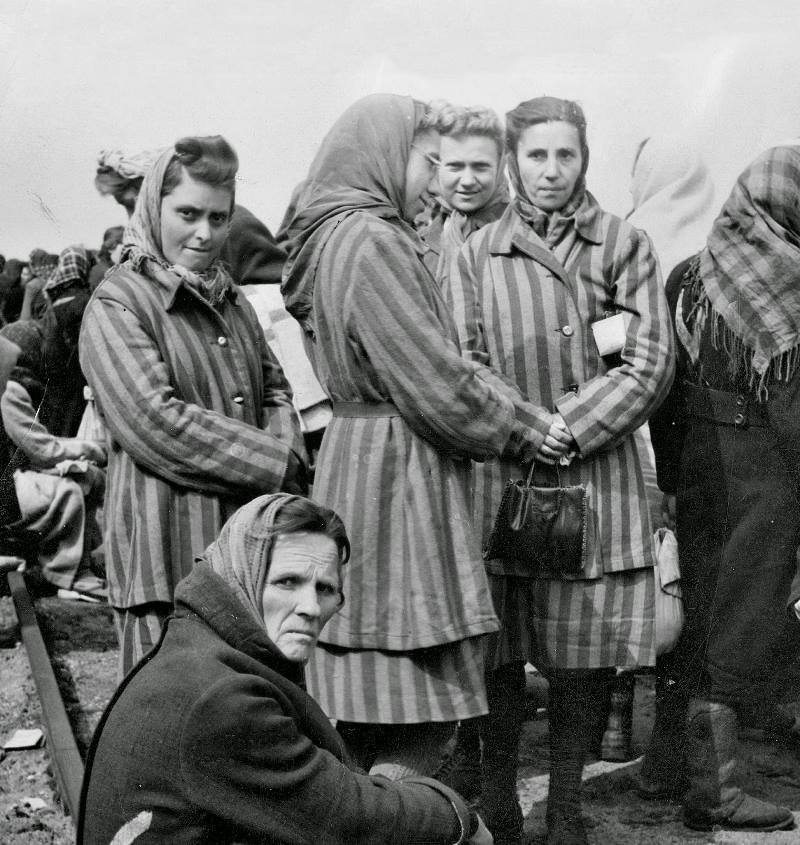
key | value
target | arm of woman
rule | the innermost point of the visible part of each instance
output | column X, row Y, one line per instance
column 611, row 405
column 246, row 762
column 391, row 319
column 178, row 441
column 26, row 432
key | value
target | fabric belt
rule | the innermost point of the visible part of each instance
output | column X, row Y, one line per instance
column 364, row 410
column 726, row 408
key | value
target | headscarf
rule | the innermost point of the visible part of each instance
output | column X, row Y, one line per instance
column 73, row 268
column 545, row 110
column 241, row 554
column 29, row 367
column 750, row 270
column 142, row 239
column 125, row 166
column 360, row 166
column 42, row 263
column 673, row 199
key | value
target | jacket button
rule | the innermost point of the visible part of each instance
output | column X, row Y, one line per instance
column 740, row 400
column 567, row 331
column 222, row 341
column 738, row 419
column 238, row 399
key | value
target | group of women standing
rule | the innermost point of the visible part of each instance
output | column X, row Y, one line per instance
column 451, row 369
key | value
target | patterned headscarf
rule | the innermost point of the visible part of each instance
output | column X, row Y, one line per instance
column 360, row 166
column 750, row 269
column 142, row 239
column 129, row 166
column 73, row 267
column 241, row 553
column 673, row 199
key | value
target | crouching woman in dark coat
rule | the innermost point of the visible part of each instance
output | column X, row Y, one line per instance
column 212, row 737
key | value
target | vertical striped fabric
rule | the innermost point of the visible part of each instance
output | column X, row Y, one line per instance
column 515, row 314
column 138, row 631
column 200, row 421
column 401, row 484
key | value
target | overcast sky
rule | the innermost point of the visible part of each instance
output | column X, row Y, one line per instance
column 78, row 76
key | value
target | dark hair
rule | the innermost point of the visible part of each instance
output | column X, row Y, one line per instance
column 545, row 110
column 110, row 183
column 209, row 159
column 300, row 514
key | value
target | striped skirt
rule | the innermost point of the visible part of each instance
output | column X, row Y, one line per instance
column 608, row 621
column 438, row 684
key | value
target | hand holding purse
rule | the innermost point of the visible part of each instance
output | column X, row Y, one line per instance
column 542, row 526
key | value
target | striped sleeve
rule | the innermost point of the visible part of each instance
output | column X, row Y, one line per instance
column 460, row 289
column 391, row 316
column 180, row 442
column 611, row 405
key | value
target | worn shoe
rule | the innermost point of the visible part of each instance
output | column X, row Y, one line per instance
column 713, row 799
column 752, row 814
column 660, row 790
column 90, row 585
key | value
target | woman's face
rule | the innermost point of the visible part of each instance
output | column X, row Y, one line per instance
column 550, row 163
column 469, row 171
column 25, row 275
column 302, row 592
column 194, row 223
column 422, row 173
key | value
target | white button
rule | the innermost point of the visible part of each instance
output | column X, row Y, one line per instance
column 222, row 341
column 567, row 331
column 238, row 399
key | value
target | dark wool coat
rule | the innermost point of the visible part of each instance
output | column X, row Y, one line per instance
column 734, row 464
column 212, row 739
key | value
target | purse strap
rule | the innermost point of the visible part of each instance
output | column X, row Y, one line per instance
column 532, row 470
column 520, row 514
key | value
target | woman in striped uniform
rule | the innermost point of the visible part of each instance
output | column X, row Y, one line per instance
column 199, row 414
column 526, row 291
column 405, row 657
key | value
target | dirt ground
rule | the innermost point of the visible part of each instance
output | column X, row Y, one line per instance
column 82, row 638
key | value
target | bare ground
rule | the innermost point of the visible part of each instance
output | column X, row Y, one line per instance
column 82, row 639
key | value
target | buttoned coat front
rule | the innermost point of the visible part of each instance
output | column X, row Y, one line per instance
column 199, row 417
column 524, row 306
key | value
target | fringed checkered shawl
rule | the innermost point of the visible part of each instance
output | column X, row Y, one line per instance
column 750, row 273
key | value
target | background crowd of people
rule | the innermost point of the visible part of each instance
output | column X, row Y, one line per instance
column 462, row 311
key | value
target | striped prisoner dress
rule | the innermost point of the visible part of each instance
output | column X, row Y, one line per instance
column 407, row 645
column 517, row 312
column 200, row 421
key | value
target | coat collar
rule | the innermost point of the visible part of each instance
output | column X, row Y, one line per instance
column 169, row 285
column 204, row 594
column 512, row 232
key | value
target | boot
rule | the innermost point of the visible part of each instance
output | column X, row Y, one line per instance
column 662, row 775
column 713, row 799
column 616, row 743
column 462, row 770
column 500, row 733
column 574, row 699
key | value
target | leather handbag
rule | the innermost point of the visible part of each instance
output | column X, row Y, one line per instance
column 541, row 526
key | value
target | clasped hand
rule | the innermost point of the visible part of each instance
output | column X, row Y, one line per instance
column 558, row 441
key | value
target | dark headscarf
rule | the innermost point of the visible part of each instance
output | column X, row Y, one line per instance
column 360, row 166
column 750, row 270
column 29, row 368
column 529, row 113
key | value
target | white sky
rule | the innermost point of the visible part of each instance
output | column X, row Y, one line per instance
column 77, row 76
